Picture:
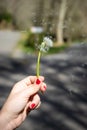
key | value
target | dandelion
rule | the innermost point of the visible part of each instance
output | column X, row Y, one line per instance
column 44, row 47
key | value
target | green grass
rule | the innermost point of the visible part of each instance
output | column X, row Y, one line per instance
column 22, row 45
column 55, row 50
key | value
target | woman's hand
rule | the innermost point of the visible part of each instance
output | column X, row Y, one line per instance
column 22, row 99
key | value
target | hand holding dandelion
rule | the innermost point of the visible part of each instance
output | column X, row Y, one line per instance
column 44, row 47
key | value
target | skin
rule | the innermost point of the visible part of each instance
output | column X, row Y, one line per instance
column 19, row 102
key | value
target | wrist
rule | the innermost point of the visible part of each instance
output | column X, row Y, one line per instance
column 5, row 122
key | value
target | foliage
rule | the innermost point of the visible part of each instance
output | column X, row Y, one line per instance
column 27, row 43
column 31, row 42
column 5, row 16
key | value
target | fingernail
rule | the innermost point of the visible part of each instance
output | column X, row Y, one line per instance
column 44, row 87
column 32, row 106
column 38, row 81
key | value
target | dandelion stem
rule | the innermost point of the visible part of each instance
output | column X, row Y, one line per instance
column 42, row 48
column 38, row 64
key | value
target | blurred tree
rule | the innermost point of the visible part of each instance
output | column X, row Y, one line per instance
column 76, row 20
column 39, row 13
column 51, row 16
column 60, row 24
column 58, row 17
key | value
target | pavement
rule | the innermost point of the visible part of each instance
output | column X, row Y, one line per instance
column 64, row 105
column 8, row 40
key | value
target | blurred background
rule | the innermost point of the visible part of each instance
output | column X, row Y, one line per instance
column 64, row 20
column 23, row 25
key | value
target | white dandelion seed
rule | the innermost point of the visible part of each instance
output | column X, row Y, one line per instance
column 46, row 44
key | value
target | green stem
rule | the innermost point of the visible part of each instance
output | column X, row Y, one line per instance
column 38, row 64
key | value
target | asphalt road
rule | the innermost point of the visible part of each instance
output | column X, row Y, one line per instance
column 64, row 105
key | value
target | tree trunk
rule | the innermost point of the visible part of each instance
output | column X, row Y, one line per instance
column 60, row 25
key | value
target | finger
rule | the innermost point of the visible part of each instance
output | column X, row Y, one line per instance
column 38, row 105
column 21, row 85
column 28, row 109
column 35, row 102
column 31, row 79
column 43, row 87
column 31, row 90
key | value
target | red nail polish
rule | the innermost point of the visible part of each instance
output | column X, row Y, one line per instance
column 38, row 81
column 44, row 87
column 32, row 106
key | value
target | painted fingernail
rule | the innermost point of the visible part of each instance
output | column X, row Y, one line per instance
column 32, row 106
column 38, row 81
column 44, row 87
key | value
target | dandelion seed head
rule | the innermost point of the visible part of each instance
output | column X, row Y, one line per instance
column 46, row 44
column 48, row 41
